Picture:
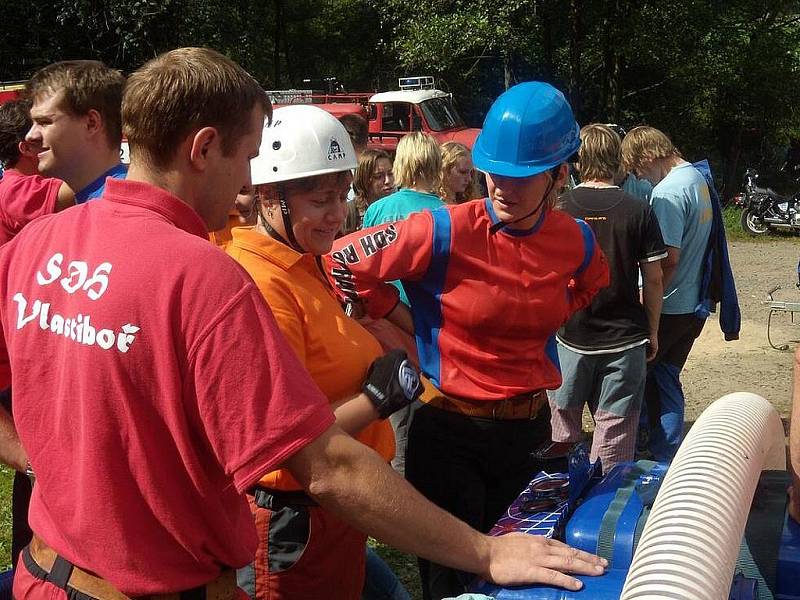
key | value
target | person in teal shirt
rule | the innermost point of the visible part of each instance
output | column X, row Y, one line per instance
column 400, row 204
column 638, row 188
column 417, row 168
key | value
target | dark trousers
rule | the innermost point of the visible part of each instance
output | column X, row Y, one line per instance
column 473, row 468
column 21, row 533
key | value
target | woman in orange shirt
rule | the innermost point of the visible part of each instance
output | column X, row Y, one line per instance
column 302, row 176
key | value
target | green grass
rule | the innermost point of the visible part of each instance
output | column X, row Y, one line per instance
column 731, row 216
column 6, row 481
column 404, row 566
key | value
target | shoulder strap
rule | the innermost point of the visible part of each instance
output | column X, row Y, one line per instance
column 608, row 526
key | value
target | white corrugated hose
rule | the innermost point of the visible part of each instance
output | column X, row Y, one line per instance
column 690, row 543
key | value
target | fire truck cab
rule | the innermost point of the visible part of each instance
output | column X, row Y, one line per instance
column 416, row 106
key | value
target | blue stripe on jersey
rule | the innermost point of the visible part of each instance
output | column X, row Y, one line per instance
column 588, row 245
column 425, row 297
column 490, row 211
column 551, row 350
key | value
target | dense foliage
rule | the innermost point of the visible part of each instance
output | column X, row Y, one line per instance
column 718, row 75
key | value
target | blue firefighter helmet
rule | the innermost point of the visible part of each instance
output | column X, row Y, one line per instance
column 529, row 129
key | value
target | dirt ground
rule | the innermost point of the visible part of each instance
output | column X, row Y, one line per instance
column 716, row 367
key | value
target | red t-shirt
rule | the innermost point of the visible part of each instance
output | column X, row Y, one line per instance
column 151, row 387
column 22, row 199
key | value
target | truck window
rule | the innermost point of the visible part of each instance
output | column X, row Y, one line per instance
column 416, row 120
column 396, row 116
column 441, row 114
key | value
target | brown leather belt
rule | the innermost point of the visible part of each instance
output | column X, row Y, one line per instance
column 522, row 406
column 221, row 588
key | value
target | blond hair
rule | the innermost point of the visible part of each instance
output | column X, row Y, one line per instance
column 185, row 90
column 600, row 154
column 84, row 85
column 644, row 144
column 417, row 159
column 452, row 152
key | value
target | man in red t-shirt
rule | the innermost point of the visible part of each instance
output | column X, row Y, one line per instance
column 24, row 194
column 121, row 322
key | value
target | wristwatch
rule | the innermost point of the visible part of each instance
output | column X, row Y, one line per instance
column 29, row 471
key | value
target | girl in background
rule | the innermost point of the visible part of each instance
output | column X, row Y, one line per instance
column 458, row 174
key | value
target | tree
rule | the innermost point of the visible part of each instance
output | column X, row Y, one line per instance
column 719, row 76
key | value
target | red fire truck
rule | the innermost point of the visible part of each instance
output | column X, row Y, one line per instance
column 416, row 106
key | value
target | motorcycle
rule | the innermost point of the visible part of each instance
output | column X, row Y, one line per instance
column 763, row 209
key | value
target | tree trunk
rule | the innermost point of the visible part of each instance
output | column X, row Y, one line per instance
column 731, row 154
column 615, row 88
column 290, row 74
column 611, row 85
column 276, row 47
column 508, row 73
column 575, row 55
column 548, row 45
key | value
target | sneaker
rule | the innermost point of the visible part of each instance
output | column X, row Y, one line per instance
column 554, row 450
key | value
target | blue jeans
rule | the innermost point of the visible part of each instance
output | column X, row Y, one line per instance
column 665, row 438
column 380, row 582
column 663, row 410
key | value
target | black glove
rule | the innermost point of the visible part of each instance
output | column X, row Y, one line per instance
column 392, row 383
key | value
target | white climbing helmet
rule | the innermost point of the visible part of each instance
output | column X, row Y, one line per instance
column 302, row 141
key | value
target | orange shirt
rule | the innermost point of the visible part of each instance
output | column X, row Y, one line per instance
column 222, row 237
column 335, row 349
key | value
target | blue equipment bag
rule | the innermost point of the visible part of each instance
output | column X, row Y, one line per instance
column 608, row 520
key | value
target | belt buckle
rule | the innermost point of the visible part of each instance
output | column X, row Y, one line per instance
column 531, row 400
column 498, row 415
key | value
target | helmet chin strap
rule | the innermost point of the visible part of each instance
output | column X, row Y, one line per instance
column 287, row 223
column 500, row 224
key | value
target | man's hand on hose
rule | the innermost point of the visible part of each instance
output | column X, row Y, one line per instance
column 392, row 383
column 520, row 558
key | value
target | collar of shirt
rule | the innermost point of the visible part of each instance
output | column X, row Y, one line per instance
column 494, row 220
column 95, row 189
column 157, row 200
column 597, row 185
column 247, row 238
